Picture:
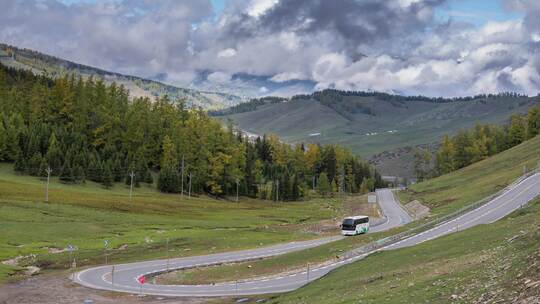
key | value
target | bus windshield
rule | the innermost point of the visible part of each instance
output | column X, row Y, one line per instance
column 348, row 222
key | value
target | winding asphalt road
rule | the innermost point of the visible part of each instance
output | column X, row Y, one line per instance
column 395, row 214
column 125, row 275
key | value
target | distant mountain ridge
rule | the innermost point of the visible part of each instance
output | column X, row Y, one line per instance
column 331, row 97
column 42, row 63
column 371, row 123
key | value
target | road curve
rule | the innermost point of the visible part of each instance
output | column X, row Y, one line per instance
column 125, row 278
column 393, row 211
column 125, row 275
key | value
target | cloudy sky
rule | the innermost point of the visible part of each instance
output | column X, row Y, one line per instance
column 429, row 47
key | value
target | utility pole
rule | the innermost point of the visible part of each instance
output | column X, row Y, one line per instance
column 313, row 182
column 132, row 175
column 189, row 191
column 105, row 245
column 72, row 259
column 49, row 171
column 112, row 275
column 182, row 186
column 237, row 190
column 167, row 248
column 277, row 191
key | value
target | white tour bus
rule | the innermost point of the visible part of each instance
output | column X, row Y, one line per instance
column 355, row 225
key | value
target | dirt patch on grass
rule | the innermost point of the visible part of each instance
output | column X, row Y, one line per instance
column 417, row 210
column 358, row 205
column 48, row 289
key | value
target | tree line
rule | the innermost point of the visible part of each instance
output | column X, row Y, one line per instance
column 249, row 106
column 476, row 144
column 83, row 129
column 339, row 94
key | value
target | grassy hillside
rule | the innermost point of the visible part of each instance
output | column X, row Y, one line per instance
column 489, row 263
column 496, row 263
column 452, row 191
column 85, row 215
column 41, row 63
column 373, row 124
column 445, row 194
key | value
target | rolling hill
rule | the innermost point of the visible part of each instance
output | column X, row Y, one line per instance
column 491, row 263
column 374, row 125
column 41, row 63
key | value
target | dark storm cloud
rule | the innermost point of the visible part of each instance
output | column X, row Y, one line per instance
column 352, row 22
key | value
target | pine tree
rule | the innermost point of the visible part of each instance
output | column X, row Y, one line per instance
column 108, row 177
column 445, row 157
column 533, row 123
column 20, row 163
column 15, row 128
column 335, row 188
column 34, row 163
column 461, row 142
column 295, row 195
column 330, row 163
column 323, row 186
column 95, row 168
column 66, row 174
column 285, row 185
column 3, row 142
column 517, row 130
column 365, row 187
column 350, row 180
column 168, row 181
column 33, row 147
column 78, row 174
column 169, row 158
column 54, row 154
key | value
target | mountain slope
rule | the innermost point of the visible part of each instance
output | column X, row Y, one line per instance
column 41, row 63
column 373, row 123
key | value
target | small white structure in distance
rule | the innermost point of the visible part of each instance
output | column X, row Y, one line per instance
column 372, row 199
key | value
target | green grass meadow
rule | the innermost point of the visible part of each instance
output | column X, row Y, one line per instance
column 86, row 215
